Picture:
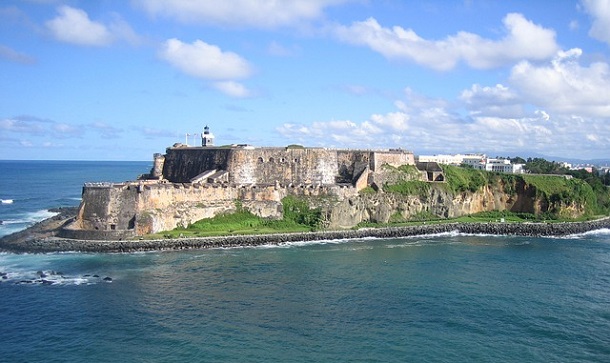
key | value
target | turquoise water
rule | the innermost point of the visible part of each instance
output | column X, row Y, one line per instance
column 442, row 298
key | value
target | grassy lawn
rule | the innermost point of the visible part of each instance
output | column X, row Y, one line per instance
column 238, row 223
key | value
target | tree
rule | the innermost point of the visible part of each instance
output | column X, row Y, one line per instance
column 517, row 160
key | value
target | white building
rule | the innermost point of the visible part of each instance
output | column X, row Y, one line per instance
column 500, row 166
column 457, row 159
column 477, row 161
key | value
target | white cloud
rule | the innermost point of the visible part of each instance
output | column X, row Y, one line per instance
column 600, row 12
column 499, row 101
column 204, row 60
column 564, row 86
column 524, row 40
column 427, row 125
column 240, row 13
column 571, row 104
column 74, row 26
column 233, row 89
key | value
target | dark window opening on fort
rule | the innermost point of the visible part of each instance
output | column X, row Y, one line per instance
column 282, row 160
column 112, row 227
column 260, row 160
column 271, row 160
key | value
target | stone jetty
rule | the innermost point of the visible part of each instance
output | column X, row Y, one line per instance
column 55, row 244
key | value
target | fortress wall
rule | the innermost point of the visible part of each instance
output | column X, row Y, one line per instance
column 166, row 206
column 322, row 166
column 285, row 166
column 268, row 165
column 108, row 207
column 352, row 163
column 161, row 196
column 393, row 158
column 143, row 208
column 182, row 164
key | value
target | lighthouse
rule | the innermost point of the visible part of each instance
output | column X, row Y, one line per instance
column 207, row 139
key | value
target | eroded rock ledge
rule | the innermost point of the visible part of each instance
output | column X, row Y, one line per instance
column 55, row 244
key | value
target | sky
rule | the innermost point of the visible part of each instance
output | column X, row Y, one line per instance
column 124, row 79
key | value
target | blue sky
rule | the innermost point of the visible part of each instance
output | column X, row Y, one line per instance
column 123, row 79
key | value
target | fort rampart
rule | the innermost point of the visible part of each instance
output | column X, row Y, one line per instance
column 188, row 184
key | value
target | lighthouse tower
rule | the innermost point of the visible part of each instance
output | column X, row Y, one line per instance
column 207, row 139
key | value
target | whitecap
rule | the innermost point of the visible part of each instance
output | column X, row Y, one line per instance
column 6, row 201
column 595, row 232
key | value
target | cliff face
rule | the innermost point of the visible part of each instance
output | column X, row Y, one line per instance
column 383, row 207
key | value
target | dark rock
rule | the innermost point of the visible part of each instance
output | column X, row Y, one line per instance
column 108, row 279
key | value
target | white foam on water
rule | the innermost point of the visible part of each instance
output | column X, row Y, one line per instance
column 6, row 201
column 12, row 225
column 595, row 232
column 15, row 269
column 31, row 217
column 39, row 215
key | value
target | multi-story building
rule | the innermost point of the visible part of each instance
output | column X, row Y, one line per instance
column 477, row 161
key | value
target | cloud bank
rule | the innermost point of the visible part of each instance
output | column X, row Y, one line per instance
column 543, row 108
column 523, row 40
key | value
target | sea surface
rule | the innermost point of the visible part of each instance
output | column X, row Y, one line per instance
column 439, row 298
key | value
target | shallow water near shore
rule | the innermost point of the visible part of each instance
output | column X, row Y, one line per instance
column 438, row 298
column 435, row 298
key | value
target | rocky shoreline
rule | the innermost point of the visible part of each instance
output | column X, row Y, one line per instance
column 41, row 237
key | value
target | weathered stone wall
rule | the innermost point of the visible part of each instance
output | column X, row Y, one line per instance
column 352, row 163
column 149, row 207
column 184, row 163
column 108, row 207
column 283, row 165
column 394, row 158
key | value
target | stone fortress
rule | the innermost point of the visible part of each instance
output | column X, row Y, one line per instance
column 189, row 183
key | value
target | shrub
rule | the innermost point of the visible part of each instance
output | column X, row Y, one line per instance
column 297, row 210
column 412, row 187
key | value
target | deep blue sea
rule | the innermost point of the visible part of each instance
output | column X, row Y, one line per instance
column 442, row 298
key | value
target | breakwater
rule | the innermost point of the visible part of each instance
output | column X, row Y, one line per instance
column 55, row 244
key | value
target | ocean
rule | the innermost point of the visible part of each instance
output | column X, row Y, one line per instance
column 438, row 298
